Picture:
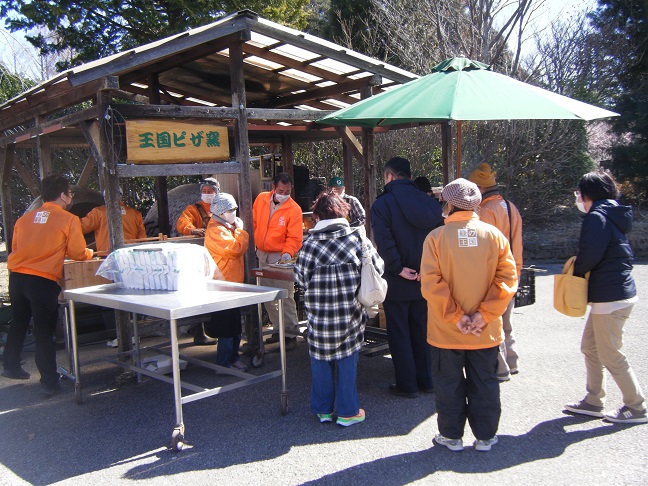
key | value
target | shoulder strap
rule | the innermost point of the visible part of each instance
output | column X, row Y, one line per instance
column 508, row 210
column 205, row 217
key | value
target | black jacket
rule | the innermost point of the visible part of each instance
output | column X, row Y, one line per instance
column 604, row 251
column 401, row 218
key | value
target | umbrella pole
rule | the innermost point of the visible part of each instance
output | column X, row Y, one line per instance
column 458, row 159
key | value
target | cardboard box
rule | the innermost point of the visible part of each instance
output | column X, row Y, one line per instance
column 82, row 274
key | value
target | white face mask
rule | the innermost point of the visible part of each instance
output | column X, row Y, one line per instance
column 229, row 216
column 207, row 198
column 281, row 197
column 581, row 206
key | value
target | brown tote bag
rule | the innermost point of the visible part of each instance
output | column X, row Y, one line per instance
column 570, row 292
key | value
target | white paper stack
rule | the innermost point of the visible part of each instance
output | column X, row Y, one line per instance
column 159, row 266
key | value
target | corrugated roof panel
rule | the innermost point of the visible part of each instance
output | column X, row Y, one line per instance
column 364, row 74
column 295, row 52
column 261, row 40
column 202, row 102
column 301, row 75
column 335, row 103
column 335, row 66
column 324, row 84
column 263, row 63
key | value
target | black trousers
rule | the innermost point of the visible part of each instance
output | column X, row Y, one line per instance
column 407, row 338
column 466, row 387
column 36, row 297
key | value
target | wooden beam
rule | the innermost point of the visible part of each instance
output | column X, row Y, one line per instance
column 185, row 57
column 161, row 187
column 323, row 93
column 6, row 162
column 32, row 186
column 446, row 150
column 287, row 158
column 147, row 170
column 51, row 126
column 351, row 141
column 20, row 113
column 87, row 171
column 347, row 166
column 44, row 152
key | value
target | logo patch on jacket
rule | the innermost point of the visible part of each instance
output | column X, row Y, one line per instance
column 503, row 204
column 467, row 237
column 282, row 221
column 41, row 217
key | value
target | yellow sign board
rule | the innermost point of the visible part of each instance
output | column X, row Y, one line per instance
column 170, row 141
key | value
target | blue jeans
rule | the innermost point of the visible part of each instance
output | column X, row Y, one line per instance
column 329, row 394
column 227, row 351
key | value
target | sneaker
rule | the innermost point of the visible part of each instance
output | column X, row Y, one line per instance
column 584, row 408
column 394, row 390
column 50, row 390
column 273, row 339
column 325, row 417
column 627, row 415
column 356, row 419
column 15, row 373
column 239, row 365
column 514, row 371
column 455, row 445
column 485, row 445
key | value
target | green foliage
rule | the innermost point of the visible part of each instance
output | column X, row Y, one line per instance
column 12, row 84
column 626, row 23
column 99, row 28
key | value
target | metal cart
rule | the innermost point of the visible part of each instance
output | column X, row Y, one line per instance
column 174, row 305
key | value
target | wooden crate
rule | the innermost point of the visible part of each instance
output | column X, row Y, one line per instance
column 81, row 274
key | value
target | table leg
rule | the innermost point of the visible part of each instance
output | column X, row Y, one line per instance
column 257, row 359
column 78, row 398
column 138, row 358
column 177, row 438
column 282, row 352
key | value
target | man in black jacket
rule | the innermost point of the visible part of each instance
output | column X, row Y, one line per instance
column 401, row 218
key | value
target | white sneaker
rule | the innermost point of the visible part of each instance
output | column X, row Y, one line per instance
column 485, row 445
column 455, row 445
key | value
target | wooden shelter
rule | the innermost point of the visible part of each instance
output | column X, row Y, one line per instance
column 265, row 82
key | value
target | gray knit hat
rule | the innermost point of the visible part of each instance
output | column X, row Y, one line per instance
column 222, row 202
column 211, row 182
column 462, row 194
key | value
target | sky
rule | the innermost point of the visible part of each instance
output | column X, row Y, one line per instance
column 18, row 55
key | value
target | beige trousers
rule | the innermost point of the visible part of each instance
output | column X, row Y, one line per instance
column 602, row 343
column 507, row 359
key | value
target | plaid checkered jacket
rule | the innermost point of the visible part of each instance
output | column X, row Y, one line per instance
column 328, row 268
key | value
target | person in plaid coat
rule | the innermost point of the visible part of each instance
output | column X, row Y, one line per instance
column 328, row 268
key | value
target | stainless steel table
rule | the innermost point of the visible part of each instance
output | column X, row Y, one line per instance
column 174, row 305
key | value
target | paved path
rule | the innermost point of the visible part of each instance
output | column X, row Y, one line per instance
column 119, row 434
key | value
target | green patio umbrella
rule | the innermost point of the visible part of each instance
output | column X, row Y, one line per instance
column 460, row 89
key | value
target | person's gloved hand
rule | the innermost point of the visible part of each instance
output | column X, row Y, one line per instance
column 238, row 223
column 285, row 257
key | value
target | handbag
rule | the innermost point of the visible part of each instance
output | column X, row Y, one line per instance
column 373, row 288
column 570, row 292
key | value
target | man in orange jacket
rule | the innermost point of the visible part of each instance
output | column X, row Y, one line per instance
column 468, row 278
column 278, row 235
column 502, row 214
column 41, row 240
column 97, row 221
column 195, row 218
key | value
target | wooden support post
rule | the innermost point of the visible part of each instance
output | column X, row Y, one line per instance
column 458, row 155
column 369, row 165
column 347, row 167
column 161, row 187
column 86, row 173
column 43, row 151
column 446, row 150
column 287, row 158
column 242, row 148
column 6, row 163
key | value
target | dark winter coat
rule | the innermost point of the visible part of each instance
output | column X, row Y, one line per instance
column 328, row 268
column 401, row 218
column 604, row 251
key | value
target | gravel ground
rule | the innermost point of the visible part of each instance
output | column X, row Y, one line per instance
column 119, row 434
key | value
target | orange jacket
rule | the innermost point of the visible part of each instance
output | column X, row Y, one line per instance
column 492, row 210
column 467, row 267
column 227, row 248
column 191, row 219
column 43, row 238
column 283, row 232
column 97, row 221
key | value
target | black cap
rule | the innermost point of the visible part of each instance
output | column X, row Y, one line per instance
column 400, row 166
